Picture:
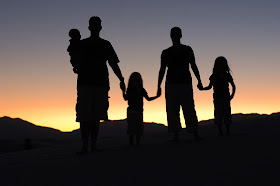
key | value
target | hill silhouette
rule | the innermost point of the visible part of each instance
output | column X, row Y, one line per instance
column 248, row 157
column 19, row 129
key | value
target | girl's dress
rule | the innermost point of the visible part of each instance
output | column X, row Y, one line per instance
column 135, row 111
column 221, row 97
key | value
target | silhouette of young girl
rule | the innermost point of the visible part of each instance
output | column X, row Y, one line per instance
column 134, row 95
column 220, row 80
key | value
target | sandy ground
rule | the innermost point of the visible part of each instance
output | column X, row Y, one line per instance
column 250, row 156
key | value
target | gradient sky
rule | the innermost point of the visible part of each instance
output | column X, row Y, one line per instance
column 38, row 85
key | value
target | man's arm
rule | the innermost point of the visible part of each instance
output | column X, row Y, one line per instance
column 153, row 98
column 116, row 69
column 196, row 72
column 161, row 74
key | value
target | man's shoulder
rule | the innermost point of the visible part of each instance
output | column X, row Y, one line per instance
column 187, row 47
column 166, row 52
column 104, row 41
column 99, row 40
column 182, row 47
column 167, row 49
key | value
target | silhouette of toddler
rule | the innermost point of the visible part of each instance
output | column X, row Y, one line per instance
column 74, row 48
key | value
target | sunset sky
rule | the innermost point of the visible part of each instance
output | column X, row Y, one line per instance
column 38, row 84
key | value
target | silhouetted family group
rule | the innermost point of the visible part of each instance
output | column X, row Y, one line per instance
column 89, row 60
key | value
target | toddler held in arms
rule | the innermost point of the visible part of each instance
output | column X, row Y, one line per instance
column 74, row 48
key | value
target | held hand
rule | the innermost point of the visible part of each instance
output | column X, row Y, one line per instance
column 200, row 86
column 122, row 86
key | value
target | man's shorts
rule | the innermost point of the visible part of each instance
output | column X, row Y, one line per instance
column 92, row 103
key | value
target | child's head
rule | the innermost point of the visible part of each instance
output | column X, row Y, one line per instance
column 135, row 81
column 75, row 34
column 221, row 66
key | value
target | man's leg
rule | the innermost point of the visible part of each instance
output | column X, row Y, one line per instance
column 138, row 137
column 84, row 127
column 82, row 112
column 94, row 130
column 131, row 140
column 188, row 108
column 173, row 110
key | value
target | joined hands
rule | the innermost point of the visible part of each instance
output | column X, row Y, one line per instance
column 200, row 86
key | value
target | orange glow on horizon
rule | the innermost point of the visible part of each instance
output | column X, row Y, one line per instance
column 63, row 117
column 53, row 105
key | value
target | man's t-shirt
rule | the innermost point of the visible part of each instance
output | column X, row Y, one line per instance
column 177, row 60
column 220, row 85
column 94, row 55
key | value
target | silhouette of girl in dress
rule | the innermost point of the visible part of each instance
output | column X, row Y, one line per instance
column 134, row 95
column 220, row 80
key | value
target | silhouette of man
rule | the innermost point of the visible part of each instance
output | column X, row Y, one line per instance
column 93, row 83
column 178, row 87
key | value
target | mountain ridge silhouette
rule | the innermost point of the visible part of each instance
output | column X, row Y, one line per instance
column 17, row 128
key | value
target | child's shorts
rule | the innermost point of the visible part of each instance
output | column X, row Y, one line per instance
column 222, row 111
column 135, row 122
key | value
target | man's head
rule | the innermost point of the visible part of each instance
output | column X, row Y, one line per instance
column 95, row 25
column 74, row 34
column 176, row 34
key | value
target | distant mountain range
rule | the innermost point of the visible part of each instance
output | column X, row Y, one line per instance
column 18, row 129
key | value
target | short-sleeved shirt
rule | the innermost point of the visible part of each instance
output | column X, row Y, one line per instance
column 177, row 59
column 220, row 84
column 135, row 99
column 94, row 55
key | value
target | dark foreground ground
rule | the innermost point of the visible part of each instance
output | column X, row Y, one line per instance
column 250, row 156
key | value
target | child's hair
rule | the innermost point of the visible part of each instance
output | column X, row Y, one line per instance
column 221, row 65
column 74, row 33
column 135, row 79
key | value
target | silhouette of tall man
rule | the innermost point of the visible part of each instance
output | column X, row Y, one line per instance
column 93, row 83
column 178, row 87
